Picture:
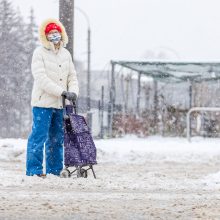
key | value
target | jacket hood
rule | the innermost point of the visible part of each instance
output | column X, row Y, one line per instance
column 42, row 35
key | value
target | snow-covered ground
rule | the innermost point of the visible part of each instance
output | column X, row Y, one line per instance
column 151, row 178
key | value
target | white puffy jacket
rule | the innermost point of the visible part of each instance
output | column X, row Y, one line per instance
column 53, row 72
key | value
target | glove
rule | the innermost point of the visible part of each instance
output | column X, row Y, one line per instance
column 71, row 96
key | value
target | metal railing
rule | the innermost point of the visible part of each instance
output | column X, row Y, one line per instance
column 196, row 109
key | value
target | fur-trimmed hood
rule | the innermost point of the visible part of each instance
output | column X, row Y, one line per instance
column 42, row 35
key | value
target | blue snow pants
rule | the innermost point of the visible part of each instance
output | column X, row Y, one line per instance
column 47, row 128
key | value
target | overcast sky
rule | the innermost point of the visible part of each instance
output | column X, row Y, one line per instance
column 126, row 29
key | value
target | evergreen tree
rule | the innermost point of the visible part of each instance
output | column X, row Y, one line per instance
column 17, row 42
column 19, row 76
column 7, row 36
column 31, row 38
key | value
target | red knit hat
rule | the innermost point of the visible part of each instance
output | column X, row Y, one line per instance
column 52, row 26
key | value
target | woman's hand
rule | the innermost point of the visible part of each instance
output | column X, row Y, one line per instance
column 71, row 96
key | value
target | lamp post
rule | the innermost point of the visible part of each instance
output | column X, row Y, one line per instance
column 88, row 64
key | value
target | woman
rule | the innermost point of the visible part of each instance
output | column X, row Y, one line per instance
column 54, row 76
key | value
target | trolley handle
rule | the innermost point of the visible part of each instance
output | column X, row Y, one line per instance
column 64, row 105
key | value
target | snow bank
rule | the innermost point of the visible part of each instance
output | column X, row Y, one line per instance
column 138, row 150
column 134, row 150
column 128, row 164
column 12, row 149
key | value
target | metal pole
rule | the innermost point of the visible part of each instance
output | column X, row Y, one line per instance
column 190, row 94
column 89, row 114
column 113, row 85
column 88, row 79
column 112, row 98
column 188, row 125
column 138, row 93
column 126, row 94
column 88, row 70
column 102, row 114
column 110, row 115
column 66, row 16
column 155, row 106
column 190, row 104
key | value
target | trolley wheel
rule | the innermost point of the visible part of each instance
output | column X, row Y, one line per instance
column 83, row 173
column 65, row 173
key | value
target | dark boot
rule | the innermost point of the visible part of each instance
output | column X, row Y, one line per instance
column 42, row 175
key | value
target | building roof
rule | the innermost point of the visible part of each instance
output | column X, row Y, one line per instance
column 175, row 71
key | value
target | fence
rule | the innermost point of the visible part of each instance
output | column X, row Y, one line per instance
column 160, row 105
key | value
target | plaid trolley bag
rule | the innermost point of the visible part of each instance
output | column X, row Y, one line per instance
column 79, row 147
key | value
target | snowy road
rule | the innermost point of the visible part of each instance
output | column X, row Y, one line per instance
column 153, row 178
